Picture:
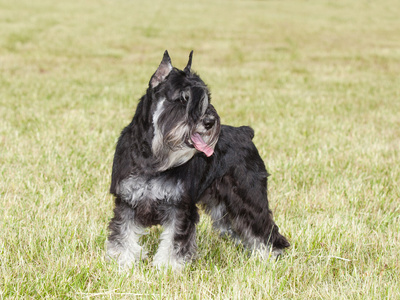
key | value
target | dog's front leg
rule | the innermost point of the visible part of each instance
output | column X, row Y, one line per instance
column 125, row 231
column 178, row 240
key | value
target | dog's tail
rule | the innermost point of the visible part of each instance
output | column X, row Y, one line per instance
column 247, row 131
column 278, row 240
column 281, row 242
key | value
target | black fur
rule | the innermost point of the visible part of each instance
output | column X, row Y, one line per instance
column 231, row 184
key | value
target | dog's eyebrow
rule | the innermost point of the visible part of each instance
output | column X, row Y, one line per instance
column 205, row 103
column 200, row 98
column 197, row 93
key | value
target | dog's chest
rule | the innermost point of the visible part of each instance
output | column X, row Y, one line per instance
column 161, row 188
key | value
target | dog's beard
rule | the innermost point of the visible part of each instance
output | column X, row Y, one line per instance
column 178, row 144
column 170, row 149
column 205, row 140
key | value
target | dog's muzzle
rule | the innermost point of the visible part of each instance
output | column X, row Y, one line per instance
column 204, row 140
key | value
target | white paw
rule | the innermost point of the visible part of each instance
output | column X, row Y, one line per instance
column 161, row 262
column 266, row 253
column 125, row 257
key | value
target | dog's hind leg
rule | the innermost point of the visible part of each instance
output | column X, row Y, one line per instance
column 249, row 217
column 122, row 244
column 178, row 240
column 216, row 209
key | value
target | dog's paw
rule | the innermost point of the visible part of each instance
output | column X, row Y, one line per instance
column 126, row 258
column 276, row 253
column 163, row 263
column 266, row 253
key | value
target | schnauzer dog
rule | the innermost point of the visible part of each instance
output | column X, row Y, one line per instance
column 174, row 155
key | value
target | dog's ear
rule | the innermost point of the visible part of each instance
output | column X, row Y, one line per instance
column 162, row 71
column 189, row 64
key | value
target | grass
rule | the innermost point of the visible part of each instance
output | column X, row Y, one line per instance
column 317, row 80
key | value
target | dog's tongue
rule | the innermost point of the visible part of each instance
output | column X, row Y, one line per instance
column 200, row 145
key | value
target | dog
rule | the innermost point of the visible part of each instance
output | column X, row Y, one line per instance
column 175, row 155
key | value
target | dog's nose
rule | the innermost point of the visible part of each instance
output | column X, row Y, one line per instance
column 208, row 122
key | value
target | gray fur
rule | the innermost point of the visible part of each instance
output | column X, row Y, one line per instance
column 175, row 154
column 138, row 188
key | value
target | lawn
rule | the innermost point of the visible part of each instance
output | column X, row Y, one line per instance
column 319, row 81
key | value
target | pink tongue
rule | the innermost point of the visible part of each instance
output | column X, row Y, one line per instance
column 200, row 145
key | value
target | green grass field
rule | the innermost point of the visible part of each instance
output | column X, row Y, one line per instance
column 319, row 81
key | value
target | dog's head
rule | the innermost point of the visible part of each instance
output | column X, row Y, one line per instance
column 184, row 121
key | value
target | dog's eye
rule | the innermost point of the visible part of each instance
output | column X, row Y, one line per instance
column 184, row 97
